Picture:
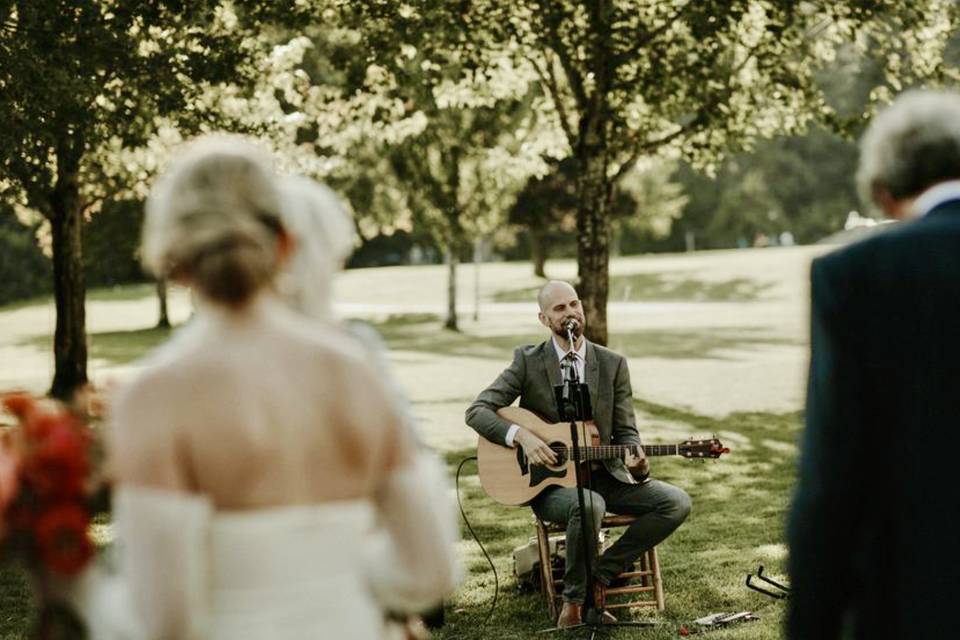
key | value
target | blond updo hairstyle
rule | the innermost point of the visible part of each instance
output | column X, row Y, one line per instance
column 213, row 219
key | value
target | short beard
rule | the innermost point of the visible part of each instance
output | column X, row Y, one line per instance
column 561, row 332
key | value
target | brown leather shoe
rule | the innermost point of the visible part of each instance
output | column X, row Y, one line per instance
column 569, row 615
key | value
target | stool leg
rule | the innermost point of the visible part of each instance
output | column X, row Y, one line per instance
column 645, row 580
column 657, row 582
column 546, row 569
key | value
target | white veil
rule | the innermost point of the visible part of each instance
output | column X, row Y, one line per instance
column 325, row 236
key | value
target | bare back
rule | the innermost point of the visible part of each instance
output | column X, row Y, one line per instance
column 257, row 410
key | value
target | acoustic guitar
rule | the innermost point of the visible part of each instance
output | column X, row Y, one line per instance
column 508, row 478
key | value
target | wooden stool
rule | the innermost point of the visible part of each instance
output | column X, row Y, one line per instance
column 643, row 587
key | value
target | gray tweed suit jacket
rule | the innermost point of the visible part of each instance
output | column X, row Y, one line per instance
column 532, row 375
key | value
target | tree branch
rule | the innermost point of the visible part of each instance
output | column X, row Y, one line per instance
column 563, row 55
column 701, row 119
column 111, row 194
column 650, row 36
column 549, row 78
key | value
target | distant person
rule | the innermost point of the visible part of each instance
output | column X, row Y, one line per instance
column 266, row 486
column 660, row 507
column 871, row 528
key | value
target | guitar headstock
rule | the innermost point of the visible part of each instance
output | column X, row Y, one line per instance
column 697, row 449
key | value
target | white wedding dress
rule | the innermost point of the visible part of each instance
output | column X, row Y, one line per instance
column 291, row 572
column 184, row 569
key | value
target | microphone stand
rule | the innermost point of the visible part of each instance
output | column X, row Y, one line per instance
column 574, row 404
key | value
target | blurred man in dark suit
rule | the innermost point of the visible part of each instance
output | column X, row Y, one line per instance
column 872, row 543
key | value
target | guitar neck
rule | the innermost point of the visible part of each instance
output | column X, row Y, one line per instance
column 610, row 451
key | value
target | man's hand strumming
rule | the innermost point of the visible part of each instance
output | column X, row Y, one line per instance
column 536, row 450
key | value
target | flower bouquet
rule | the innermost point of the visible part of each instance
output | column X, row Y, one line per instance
column 49, row 491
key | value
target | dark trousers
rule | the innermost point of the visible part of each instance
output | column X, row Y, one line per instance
column 659, row 507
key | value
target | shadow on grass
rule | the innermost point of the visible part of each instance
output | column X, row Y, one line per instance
column 116, row 347
column 101, row 294
column 123, row 292
column 424, row 332
column 660, row 287
column 740, row 503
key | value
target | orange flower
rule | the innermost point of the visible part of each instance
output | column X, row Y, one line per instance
column 9, row 472
column 57, row 464
column 61, row 535
column 19, row 404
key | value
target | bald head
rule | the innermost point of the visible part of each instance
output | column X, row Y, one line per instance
column 559, row 303
column 553, row 289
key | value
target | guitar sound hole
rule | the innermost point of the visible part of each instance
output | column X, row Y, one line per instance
column 562, row 454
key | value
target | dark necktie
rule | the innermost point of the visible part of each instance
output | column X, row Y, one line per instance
column 566, row 365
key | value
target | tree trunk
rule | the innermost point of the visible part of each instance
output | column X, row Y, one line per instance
column 66, row 220
column 538, row 250
column 455, row 235
column 593, row 226
column 164, row 321
column 452, row 260
column 594, row 188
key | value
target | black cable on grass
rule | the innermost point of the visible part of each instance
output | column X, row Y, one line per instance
column 496, row 578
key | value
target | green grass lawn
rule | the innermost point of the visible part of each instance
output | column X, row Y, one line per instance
column 636, row 287
column 15, row 606
column 736, row 524
column 115, row 347
column 114, row 293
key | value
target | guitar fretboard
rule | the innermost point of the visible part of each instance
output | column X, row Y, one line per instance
column 611, row 451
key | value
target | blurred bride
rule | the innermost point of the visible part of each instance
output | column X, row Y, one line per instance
column 267, row 486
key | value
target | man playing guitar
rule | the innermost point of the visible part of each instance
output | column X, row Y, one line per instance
column 659, row 507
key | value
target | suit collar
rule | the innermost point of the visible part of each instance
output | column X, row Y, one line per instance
column 551, row 363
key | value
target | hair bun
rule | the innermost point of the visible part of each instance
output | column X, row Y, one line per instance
column 214, row 218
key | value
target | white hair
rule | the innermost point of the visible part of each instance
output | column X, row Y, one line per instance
column 911, row 145
column 214, row 217
column 325, row 237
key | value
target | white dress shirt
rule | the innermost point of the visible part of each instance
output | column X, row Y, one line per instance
column 935, row 196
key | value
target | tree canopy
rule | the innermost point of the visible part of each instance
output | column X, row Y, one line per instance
column 629, row 79
column 81, row 78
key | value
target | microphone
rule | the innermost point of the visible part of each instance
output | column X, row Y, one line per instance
column 571, row 326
